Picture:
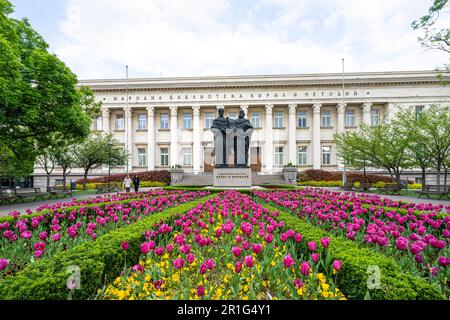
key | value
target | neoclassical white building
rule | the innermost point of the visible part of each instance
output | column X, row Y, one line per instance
column 166, row 121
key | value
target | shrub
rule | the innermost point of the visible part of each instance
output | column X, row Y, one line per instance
column 158, row 175
column 322, row 175
column 313, row 183
column 146, row 184
column 395, row 284
column 99, row 262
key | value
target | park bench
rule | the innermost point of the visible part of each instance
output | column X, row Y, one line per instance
column 348, row 186
column 7, row 197
column 106, row 187
column 391, row 188
column 25, row 193
column 364, row 186
column 441, row 191
column 59, row 190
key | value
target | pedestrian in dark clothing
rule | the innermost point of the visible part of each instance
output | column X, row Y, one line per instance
column 136, row 181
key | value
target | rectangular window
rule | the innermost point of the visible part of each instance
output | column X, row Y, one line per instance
column 326, row 155
column 375, row 117
column 301, row 116
column 120, row 122
column 302, row 155
column 164, row 121
column 187, row 120
column 278, row 119
column 256, row 119
column 419, row 110
column 142, row 157
column 350, row 118
column 187, row 157
column 209, row 118
column 142, row 121
column 279, row 156
column 326, row 118
column 164, row 156
column 232, row 115
column 98, row 123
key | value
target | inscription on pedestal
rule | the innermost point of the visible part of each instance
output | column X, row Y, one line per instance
column 232, row 177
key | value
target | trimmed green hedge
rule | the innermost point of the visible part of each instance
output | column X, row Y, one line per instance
column 352, row 279
column 100, row 262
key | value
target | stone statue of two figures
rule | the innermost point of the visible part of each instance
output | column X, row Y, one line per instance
column 230, row 134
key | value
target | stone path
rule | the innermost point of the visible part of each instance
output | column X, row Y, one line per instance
column 401, row 198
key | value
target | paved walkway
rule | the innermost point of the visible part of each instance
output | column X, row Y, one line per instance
column 400, row 198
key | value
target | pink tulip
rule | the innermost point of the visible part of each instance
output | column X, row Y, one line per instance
column 288, row 261
column 298, row 283
column 304, row 268
column 178, row 263
column 138, row 268
column 325, row 242
column 337, row 265
column 402, row 243
column 145, row 248
column 237, row 267
column 246, row 245
column 3, row 264
column 200, row 291
column 257, row 248
column 43, row 235
column 249, row 261
column 236, row 251
column 26, row 235
column 298, row 237
column 159, row 251
column 39, row 246
column 315, row 257
column 56, row 237
column 185, row 248
column 38, row 254
column 124, row 245
column 190, row 258
column 312, row 246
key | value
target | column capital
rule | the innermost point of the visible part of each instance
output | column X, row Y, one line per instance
column 367, row 106
column 196, row 111
column 316, row 107
column 173, row 111
column 151, row 111
column 341, row 107
column 244, row 107
column 269, row 108
column 105, row 112
column 292, row 108
column 128, row 111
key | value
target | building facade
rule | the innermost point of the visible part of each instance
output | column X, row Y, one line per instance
column 166, row 121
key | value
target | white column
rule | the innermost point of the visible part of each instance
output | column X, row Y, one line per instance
column 244, row 107
column 316, row 145
column 340, row 125
column 105, row 119
column 196, row 148
column 292, row 138
column 269, row 139
column 367, row 106
column 151, row 149
column 129, row 136
column 173, row 136
column 341, row 117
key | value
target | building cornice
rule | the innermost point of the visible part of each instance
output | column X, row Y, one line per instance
column 316, row 80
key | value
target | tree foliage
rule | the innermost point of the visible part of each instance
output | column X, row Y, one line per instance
column 38, row 92
column 100, row 149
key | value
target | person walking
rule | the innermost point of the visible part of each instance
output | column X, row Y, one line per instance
column 127, row 183
column 136, row 182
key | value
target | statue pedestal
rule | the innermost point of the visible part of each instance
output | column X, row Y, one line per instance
column 232, row 177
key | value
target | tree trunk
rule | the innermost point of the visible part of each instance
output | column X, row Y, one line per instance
column 438, row 176
column 445, row 177
column 64, row 178
column 365, row 176
column 423, row 178
column 85, row 178
column 48, row 182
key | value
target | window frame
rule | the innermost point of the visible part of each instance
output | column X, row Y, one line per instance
column 328, row 117
column 350, row 114
column 120, row 116
column 279, row 155
column 302, row 155
column 187, row 120
column 302, row 116
column 256, row 124
column 189, row 154
column 164, row 122
column 165, row 155
column 328, row 153
column 142, row 118
column 209, row 119
column 278, row 119
column 142, row 156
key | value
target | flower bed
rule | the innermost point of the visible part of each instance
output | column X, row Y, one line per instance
column 228, row 248
column 43, row 235
column 418, row 241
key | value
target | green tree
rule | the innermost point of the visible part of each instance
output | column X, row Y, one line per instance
column 38, row 92
column 65, row 159
column 100, row 149
column 383, row 147
column 46, row 160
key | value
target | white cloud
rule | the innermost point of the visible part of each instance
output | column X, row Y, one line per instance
column 206, row 37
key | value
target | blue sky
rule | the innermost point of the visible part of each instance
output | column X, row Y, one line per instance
column 97, row 38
